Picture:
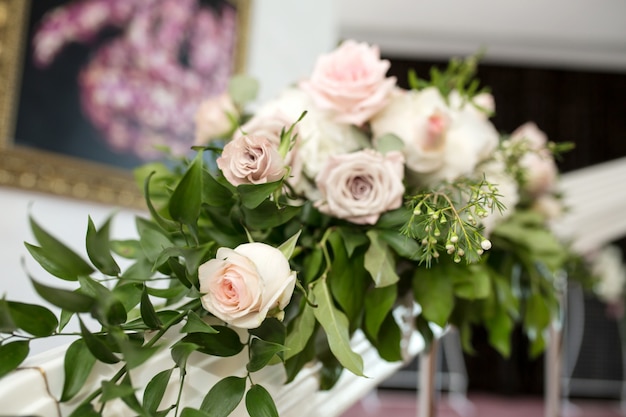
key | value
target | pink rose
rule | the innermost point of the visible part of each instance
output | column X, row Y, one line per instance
column 214, row 118
column 251, row 160
column 271, row 126
column 351, row 82
column 540, row 170
column 242, row 286
column 360, row 186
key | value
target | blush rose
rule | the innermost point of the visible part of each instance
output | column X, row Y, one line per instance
column 214, row 118
column 251, row 159
column 362, row 185
column 243, row 286
column 351, row 81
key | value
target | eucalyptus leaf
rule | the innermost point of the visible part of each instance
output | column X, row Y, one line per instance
column 99, row 248
column 259, row 402
column 77, row 364
column 389, row 343
column 352, row 239
column 12, row 354
column 33, row 319
column 336, row 326
column 224, row 397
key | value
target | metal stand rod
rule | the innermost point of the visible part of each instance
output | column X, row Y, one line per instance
column 427, row 400
column 553, row 373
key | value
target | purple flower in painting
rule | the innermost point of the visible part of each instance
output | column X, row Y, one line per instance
column 143, row 87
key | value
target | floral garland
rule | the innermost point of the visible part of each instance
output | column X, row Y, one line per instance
column 304, row 222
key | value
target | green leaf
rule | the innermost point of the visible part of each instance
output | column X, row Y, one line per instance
column 380, row 262
column 129, row 249
column 148, row 314
column 472, row 282
column 336, row 326
column 434, row 292
column 378, row 304
column 62, row 262
column 223, row 344
column 352, row 239
column 108, row 310
column 500, row 327
column 155, row 390
column 99, row 248
column 85, row 410
column 268, row 216
column 33, row 319
column 184, row 205
column 12, row 354
column 164, row 223
column 67, row 300
column 195, row 324
column 193, row 257
column 224, row 397
column 134, row 354
column 252, row 195
column 243, row 88
column 389, row 142
column 300, row 331
column 7, row 325
column 153, row 239
column 180, row 353
column 141, row 270
column 64, row 319
column 289, row 245
column 389, row 343
column 213, row 193
column 190, row 412
column 403, row 245
column 111, row 390
column 97, row 347
column 270, row 330
column 261, row 352
column 259, row 402
column 347, row 279
column 77, row 364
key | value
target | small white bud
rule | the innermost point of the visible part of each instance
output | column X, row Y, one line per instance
column 424, row 241
column 485, row 244
column 480, row 252
column 454, row 239
column 460, row 252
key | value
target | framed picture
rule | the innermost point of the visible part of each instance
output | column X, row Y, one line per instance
column 93, row 88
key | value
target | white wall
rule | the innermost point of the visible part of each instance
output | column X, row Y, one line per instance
column 285, row 38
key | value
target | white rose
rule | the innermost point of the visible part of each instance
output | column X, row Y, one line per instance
column 242, row 286
column 360, row 186
column 319, row 135
column 530, row 133
column 540, row 170
column 441, row 143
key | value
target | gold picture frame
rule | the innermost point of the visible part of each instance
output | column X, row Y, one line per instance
column 34, row 169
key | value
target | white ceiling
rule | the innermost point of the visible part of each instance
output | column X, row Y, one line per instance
column 556, row 33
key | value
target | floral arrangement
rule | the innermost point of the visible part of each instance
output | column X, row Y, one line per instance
column 304, row 222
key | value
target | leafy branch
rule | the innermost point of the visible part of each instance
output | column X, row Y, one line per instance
column 448, row 219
